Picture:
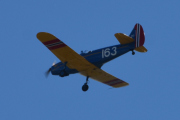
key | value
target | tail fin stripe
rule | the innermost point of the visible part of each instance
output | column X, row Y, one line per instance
column 138, row 35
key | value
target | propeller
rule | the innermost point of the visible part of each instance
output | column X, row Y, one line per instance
column 49, row 70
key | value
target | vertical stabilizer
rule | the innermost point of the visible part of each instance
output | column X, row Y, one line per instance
column 138, row 35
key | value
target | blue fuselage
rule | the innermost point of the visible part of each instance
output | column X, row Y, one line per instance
column 97, row 57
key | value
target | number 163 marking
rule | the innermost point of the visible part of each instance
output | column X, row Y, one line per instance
column 106, row 52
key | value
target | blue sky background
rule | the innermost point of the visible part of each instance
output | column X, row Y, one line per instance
column 154, row 77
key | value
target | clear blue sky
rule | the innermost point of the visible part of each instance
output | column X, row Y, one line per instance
column 154, row 77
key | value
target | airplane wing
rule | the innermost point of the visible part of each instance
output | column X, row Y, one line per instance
column 76, row 61
column 104, row 77
column 63, row 52
column 123, row 39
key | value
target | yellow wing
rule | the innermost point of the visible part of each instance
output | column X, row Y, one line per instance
column 76, row 61
column 104, row 77
column 63, row 52
column 123, row 39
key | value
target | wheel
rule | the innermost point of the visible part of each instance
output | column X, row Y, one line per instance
column 85, row 87
column 133, row 53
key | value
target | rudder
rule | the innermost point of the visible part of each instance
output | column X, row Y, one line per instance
column 138, row 35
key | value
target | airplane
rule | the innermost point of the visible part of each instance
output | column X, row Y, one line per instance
column 89, row 63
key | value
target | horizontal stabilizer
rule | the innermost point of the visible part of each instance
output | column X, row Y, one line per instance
column 123, row 39
column 141, row 49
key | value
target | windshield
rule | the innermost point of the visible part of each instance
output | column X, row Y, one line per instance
column 85, row 51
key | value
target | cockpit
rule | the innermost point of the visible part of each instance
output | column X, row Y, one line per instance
column 85, row 51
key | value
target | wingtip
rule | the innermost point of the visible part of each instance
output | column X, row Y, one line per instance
column 44, row 36
column 39, row 34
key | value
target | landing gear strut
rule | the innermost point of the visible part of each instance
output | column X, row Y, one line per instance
column 85, row 86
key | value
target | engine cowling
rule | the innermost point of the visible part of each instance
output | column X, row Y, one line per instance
column 63, row 73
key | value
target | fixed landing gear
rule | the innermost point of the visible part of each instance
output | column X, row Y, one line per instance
column 85, row 87
column 133, row 53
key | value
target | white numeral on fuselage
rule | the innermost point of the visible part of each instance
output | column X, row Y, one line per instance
column 106, row 52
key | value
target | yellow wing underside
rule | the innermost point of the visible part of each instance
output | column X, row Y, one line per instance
column 76, row 61
column 64, row 53
column 104, row 77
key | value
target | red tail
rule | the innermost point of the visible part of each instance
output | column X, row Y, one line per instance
column 138, row 35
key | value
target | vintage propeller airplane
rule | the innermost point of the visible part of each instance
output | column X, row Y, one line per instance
column 89, row 63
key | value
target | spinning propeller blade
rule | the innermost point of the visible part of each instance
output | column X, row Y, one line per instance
column 47, row 72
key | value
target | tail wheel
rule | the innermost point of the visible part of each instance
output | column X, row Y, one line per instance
column 133, row 53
